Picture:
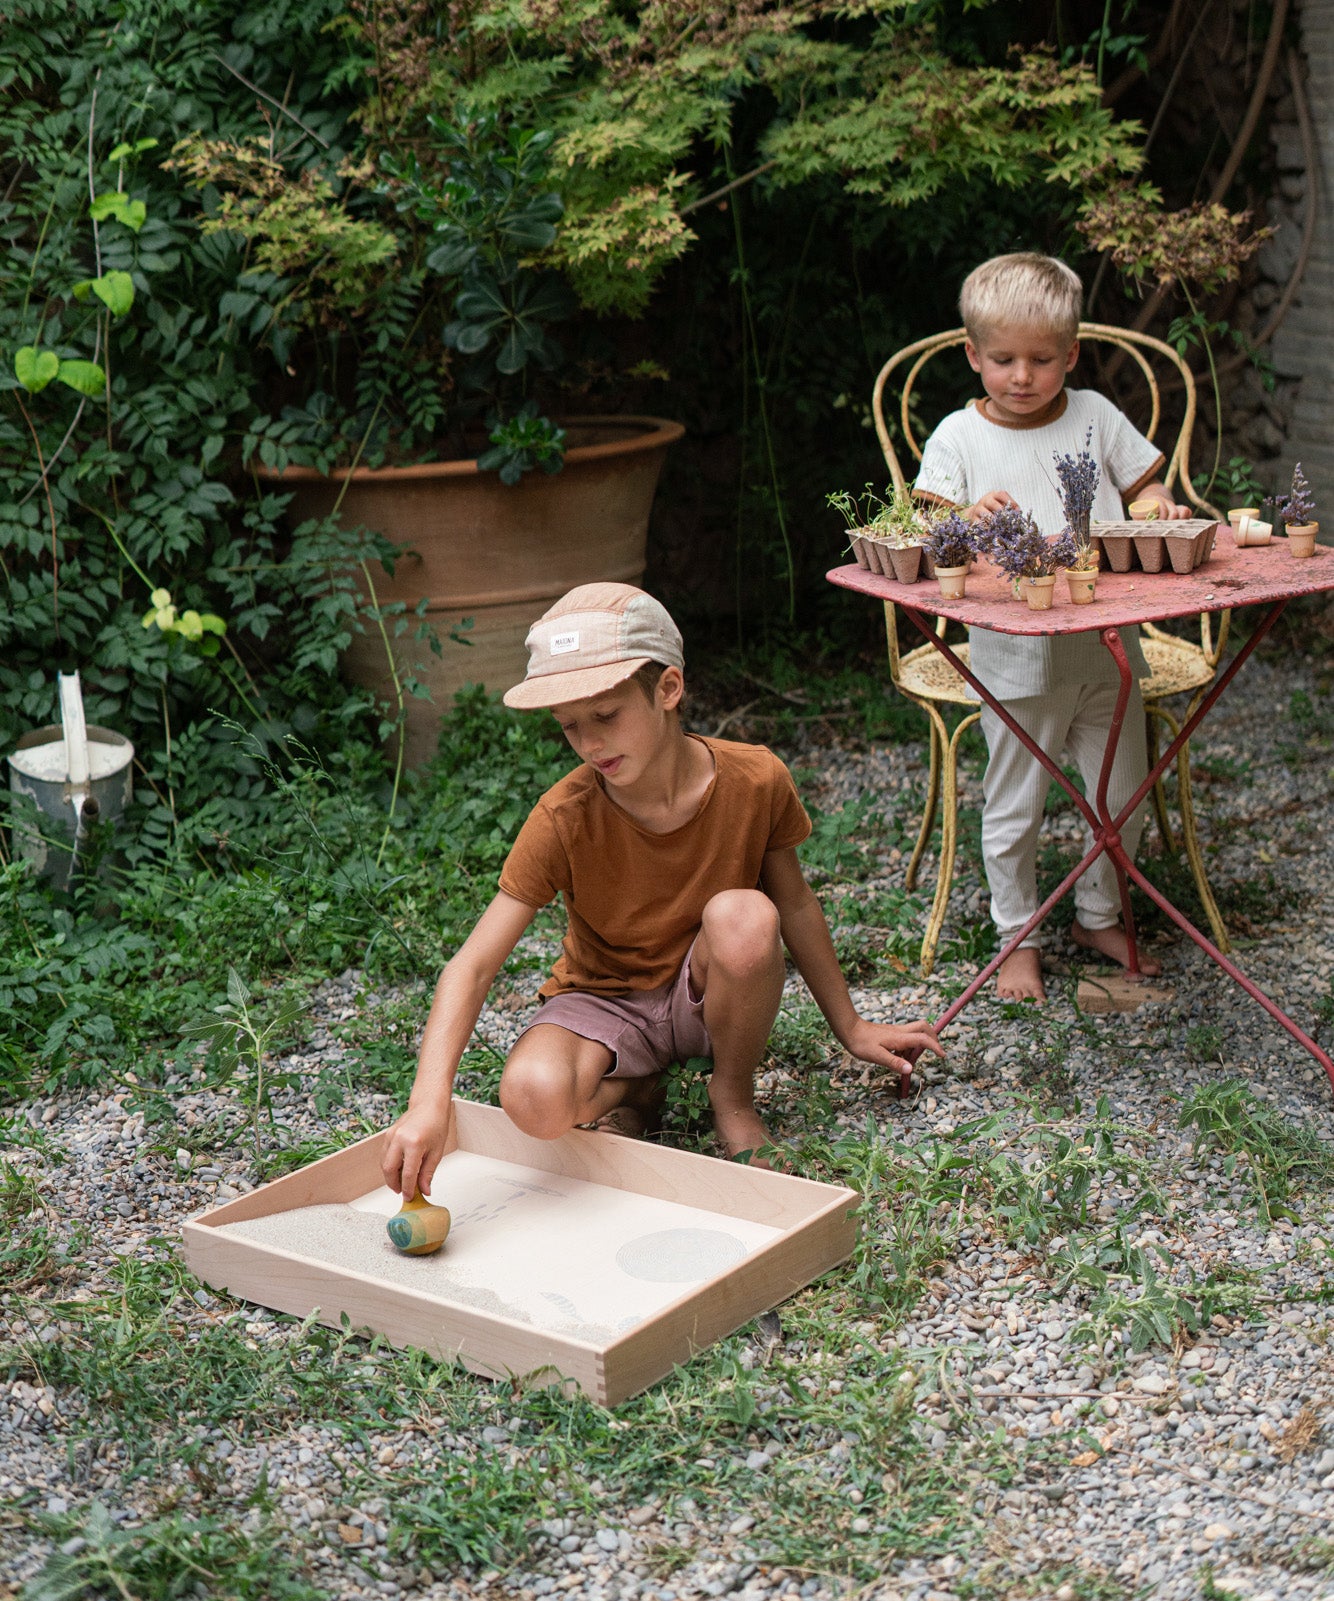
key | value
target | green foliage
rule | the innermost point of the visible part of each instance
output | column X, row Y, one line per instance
column 1277, row 1155
column 168, row 1556
column 130, row 379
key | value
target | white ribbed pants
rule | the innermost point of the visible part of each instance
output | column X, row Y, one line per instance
column 1073, row 719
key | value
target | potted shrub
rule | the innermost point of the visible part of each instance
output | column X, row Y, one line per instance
column 950, row 546
column 1297, row 511
column 1013, row 541
column 420, row 419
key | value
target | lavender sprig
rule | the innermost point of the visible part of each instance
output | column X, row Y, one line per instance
column 1297, row 507
column 1073, row 553
column 1080, row 476
column 951, row 541
column 1014, row 542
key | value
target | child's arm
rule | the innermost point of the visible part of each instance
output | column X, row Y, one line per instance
column 417, row 1141
column 806, row 935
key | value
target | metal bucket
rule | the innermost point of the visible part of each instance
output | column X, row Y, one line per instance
column 76, row 775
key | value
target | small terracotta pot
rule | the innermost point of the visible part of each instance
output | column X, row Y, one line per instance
column 1250, row 513
column 1301, row 539
column 1081, row 582
column 1038, row 592
column 1251, row 531
column 906, row 561
column 1146, row 511
column 952, row 581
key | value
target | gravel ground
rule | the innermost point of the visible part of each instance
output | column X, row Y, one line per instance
column 1215, row 1457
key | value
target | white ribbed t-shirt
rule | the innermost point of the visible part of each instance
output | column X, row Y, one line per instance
column 969, row 455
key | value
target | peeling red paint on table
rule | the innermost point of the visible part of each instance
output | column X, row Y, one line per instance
column 1232, row 577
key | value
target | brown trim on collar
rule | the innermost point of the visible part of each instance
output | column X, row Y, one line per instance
column 1131, row 490
column 1055, row 410
column 934, row 500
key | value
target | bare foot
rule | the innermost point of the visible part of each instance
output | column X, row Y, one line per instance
column 740, row 1133
column 1113, row 944
column 639, row 1111
column 1019, row 976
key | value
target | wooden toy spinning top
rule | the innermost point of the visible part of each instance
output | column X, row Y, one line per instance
column 419, row 1228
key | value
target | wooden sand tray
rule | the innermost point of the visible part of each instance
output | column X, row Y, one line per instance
column 591, row 1261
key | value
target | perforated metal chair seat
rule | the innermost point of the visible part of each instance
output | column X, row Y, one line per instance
column 1176, row 666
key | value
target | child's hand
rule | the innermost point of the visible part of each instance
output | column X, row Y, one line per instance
column 413, row 1151
column 993, row 500
column 892, row 1045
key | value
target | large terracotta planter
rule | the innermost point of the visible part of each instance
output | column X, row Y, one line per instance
column 492, row 552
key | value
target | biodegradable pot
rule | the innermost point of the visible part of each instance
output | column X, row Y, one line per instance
column 496, row 553
column 905, row 561
column 1038, row 593
column 1082, row 583
column 1149, row 549
column 1250, row 531
column 1181, row 551
column 952, row 581
column 858, row 546
column 1119, row 550
column 1301, row 539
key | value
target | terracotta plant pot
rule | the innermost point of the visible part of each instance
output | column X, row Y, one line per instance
column 906, row 561
column 1082, row 583
column 952, row 581
column 1301, row 539
column 496, row 553
column 1248, row 531
column 1038, row 593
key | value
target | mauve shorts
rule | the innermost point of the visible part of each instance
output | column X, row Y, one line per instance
column 646, row 1030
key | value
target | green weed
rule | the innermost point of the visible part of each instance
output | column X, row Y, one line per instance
column 165, row 1557
column 1272, row 1151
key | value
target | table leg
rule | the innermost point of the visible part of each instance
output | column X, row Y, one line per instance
column 1106, row 829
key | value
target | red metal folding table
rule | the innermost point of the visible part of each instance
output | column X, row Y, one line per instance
column 1263, row 575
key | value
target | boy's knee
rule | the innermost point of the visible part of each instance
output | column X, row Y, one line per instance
column 742, row 929
column 537, row 1103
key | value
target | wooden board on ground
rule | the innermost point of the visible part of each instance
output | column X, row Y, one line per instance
column 1114, row 991
column 591, row 1261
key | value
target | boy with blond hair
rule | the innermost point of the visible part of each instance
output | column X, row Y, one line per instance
column 676, row 859
column 1021, row 313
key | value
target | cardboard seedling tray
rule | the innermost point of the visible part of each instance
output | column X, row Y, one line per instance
column 592, row 1262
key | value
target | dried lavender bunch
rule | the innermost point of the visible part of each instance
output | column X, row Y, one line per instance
column 1074, row 553
column 1014, row 542
column 951, row 541
column 1080, row 476
column 1298, row 506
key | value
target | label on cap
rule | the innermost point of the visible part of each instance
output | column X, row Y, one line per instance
column 563, row 644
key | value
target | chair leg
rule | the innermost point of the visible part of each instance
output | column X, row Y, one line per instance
column 938, row 738
column 949, row 841
column 1165, row 829
column 1194, row 854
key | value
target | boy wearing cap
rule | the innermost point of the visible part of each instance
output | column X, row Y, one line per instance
column 676, row 859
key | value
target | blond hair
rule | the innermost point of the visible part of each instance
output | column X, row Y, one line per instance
column 1023, row 290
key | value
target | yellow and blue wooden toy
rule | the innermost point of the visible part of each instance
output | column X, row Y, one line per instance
column 419, row 1228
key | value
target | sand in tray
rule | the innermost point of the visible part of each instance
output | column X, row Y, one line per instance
column 589, row 1284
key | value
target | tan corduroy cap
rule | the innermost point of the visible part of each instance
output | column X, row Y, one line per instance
column 592, row 639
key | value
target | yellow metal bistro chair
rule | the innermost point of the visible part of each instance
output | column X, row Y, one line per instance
column 1177, row 666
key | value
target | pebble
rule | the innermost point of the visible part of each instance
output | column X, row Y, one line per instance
column 1142, row 1470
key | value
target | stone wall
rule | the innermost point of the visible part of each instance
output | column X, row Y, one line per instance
column 1292, row 422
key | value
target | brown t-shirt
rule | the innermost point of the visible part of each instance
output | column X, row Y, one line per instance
column 635, row 899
